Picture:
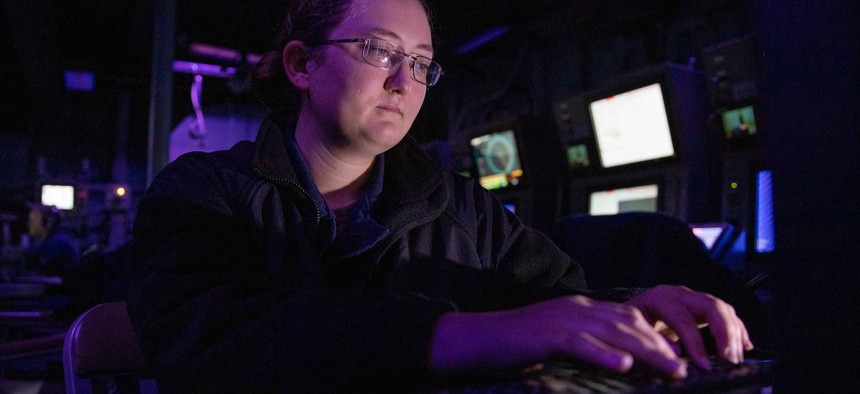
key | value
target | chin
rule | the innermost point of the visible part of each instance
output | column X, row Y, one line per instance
column 388, row 133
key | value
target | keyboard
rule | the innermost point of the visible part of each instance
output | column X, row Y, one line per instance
column 752, row 376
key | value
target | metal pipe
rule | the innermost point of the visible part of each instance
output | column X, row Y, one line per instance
column 161, row 87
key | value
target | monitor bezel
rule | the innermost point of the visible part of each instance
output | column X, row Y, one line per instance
column 601, row 187
column 516, row 127
column 630, row 83
column 740, row 141
column 580, row 170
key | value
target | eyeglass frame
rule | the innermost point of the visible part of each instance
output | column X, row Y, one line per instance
column 397, row 49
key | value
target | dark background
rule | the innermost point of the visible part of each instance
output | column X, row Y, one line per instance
column 805, row 63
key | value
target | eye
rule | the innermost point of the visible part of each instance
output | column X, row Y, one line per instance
column 378, row 51
column 422, row 66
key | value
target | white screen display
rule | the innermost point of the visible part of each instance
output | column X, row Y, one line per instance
column 708, row 235
column 632, row 127
column 630, row 199
column 60, row 196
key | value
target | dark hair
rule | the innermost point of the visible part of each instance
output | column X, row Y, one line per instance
column 306, row 20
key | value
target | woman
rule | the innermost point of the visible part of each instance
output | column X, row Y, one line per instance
column 331, row 254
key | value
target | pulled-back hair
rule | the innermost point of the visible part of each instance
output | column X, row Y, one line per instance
column 306, row 21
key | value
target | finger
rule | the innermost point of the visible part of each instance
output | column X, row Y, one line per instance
column 645, row 345
column 747, row 342
column 673, row 342
column 743, row 341
column 684, row 324
column 727, row 330
column 668, row 333
column 592, row 350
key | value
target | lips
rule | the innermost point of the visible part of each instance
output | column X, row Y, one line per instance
column 393, row 108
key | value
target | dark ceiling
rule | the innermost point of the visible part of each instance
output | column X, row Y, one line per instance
column 114, row 37
column 113, row 40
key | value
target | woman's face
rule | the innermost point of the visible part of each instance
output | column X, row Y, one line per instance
column 359, row 108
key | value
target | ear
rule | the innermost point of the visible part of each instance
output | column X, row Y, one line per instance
column 295, row 60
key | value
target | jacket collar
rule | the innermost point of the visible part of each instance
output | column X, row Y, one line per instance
column 411, row 178
column 271, row 159
column 413, row 190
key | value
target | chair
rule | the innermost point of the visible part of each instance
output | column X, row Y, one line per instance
column 101, row 349
column 642, row 249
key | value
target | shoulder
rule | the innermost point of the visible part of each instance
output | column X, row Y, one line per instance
column 236, row 158
column 467, row 194
column 472, row 205
column 198, row 174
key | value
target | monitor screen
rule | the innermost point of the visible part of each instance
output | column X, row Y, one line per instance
column 497, row 159
column 763, row 222
column 739, row 123
column 643, row 198
column 60, row 196
column 577, row 157
column 710, row 233
column 632, row 127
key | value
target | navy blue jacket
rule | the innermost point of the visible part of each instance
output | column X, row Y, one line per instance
column 231, row 291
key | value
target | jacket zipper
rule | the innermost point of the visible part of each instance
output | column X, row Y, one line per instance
column 297, row 186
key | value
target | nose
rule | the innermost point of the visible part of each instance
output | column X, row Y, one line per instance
column 400, row 78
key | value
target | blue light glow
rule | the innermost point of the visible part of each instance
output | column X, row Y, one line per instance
column 764, row 225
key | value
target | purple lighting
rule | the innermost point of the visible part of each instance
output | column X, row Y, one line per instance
column 485, row 38
column 82, row 81
column 209, row 70
column 223, row 54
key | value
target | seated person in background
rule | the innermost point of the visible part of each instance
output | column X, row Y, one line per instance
column 53, row 251
column 332, row 255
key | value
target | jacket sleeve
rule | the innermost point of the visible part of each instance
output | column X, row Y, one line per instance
column 213, row 316
column 537, row 267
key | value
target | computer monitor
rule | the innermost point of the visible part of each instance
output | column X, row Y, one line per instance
column 739, row 123
column 708, row 233
column 715, row 236
column 496, row 157
column 60, row 196
column 634, row 198
column 632, row 125
column 577, row 157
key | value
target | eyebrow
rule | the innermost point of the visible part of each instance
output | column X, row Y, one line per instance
column 391, row 34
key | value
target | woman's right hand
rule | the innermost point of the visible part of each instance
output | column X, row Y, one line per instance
column 605, row 334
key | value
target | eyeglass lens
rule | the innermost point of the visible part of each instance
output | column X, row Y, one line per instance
column 386, row 55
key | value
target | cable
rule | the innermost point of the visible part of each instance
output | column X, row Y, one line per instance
column 198, row 130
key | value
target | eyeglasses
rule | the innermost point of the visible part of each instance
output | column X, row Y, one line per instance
column 385, row 55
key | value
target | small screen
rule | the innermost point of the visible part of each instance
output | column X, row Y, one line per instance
column 577, row 157
column 60, row 196
column 497, row 160
column 709, row 233
column 629, row 199
column 739, row 123
column 764, row 221
column 632, row 127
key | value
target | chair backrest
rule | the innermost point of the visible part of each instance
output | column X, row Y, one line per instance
column 101, row 344
column 642, row 249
